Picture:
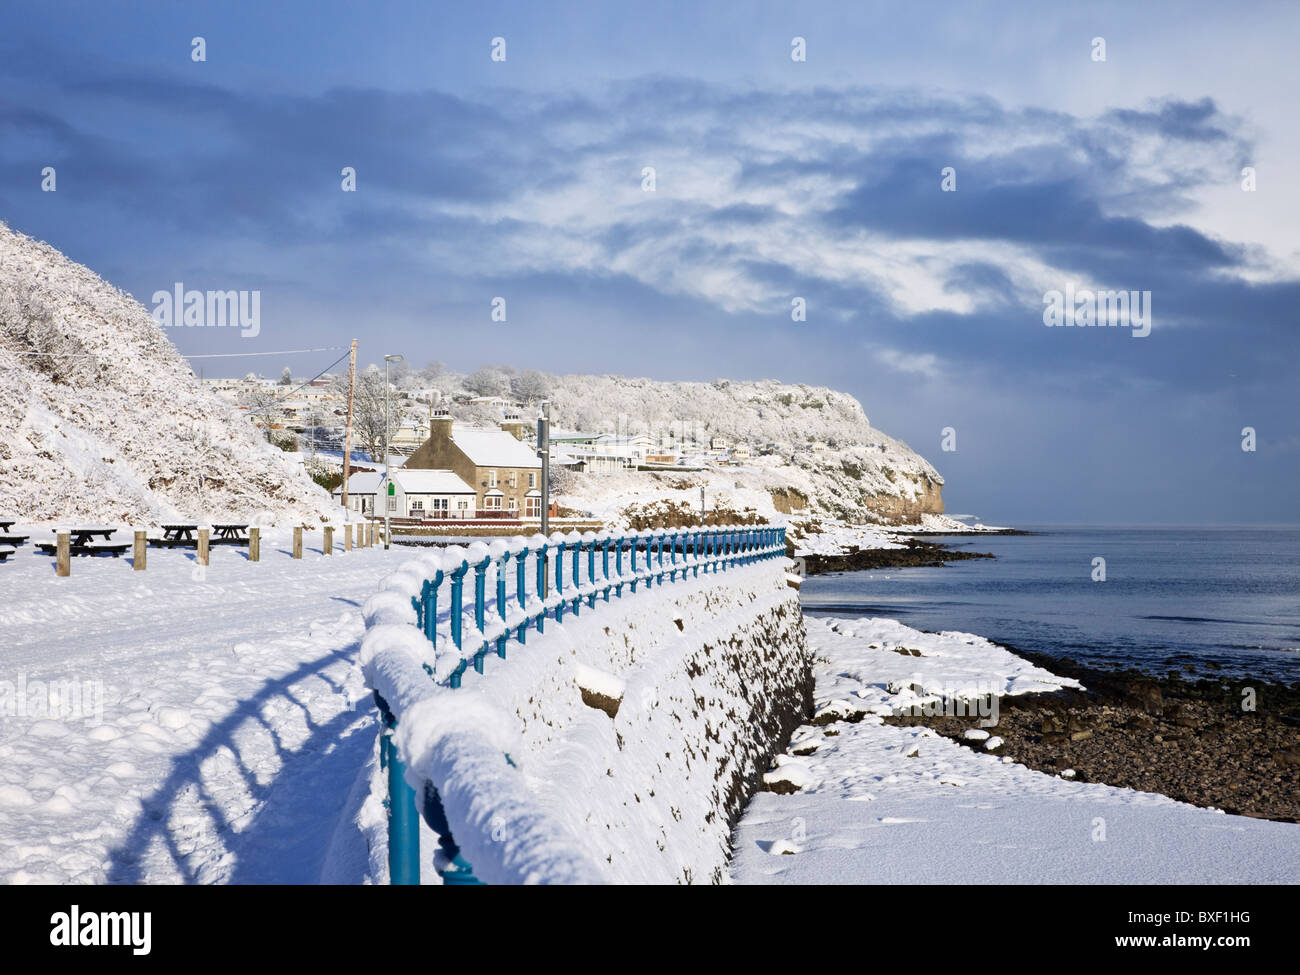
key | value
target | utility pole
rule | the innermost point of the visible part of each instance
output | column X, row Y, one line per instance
column 347, row 433
column 388, row 433
column 544, row 452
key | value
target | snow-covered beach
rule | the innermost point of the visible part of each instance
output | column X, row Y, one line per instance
column 884, row 804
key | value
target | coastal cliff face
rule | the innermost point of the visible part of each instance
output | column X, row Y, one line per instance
column 908, row 510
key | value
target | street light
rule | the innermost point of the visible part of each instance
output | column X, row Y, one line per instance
column 388, row 483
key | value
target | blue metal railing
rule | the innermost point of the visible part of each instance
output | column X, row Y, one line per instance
column 670, row 556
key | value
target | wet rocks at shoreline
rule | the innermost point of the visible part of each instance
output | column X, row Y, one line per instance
column 917, row 553
column 1197, row 741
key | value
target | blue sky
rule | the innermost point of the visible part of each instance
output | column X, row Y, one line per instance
column 774, row 179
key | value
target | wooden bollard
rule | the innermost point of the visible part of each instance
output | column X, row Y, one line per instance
column 297, row 542
column 63, row 564
column 347, row 538
column 328, row 547
column 138, row 554
column 203, row 546
column 254, row 544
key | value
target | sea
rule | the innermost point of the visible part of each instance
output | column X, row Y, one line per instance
column 1171, row 598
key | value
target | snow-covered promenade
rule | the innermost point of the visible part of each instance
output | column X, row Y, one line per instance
column 234, row 720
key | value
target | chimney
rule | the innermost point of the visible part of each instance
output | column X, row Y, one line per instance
column 513, row 425
column 440, row 424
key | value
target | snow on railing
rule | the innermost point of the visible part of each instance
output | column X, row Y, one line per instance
column 424, row 631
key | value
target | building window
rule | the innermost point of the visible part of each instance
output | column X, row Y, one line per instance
column 417, row 506
column 440, row 507
column 513, row 504
column 532, row 480
column 532, row 507
column 492, row 479
column 513, row 482
column 392, row 503
column 492, row 502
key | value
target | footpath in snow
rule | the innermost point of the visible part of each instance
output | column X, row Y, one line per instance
column 212, row 722
column 884, row 804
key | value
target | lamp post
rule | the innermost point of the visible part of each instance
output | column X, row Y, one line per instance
column 388, row 504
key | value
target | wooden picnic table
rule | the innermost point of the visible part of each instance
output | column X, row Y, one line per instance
column 6, row 524
column 81, row 541
column 232, row 534
column 86, row 535
column 174, row 535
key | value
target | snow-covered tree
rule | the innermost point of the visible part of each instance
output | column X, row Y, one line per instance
column 488, row 381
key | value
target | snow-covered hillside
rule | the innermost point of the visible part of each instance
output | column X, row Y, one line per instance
column 861, row 475
column 101, row 419
column 810, row 448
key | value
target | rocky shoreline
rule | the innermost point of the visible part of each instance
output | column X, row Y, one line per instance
column 1195, row 740
column 918, row 553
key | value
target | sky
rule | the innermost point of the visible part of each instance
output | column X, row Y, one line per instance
column 773, row 179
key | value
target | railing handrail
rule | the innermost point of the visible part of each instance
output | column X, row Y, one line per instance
column 595, row 572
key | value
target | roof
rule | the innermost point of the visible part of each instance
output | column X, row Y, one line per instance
column 365, row 482
column 411, row 481
column 493, row 448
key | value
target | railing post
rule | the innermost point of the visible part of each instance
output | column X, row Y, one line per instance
column 672, row 555
column 577, row 577
column 591, row 569
column 541, row 585
column 431, row 607
column 618, row 566
column 604, row 564
column 636, row 540
column 559, row 580
column 457, row 616
column 403, row 826
column 480, row 607
column 501, row 604
column 521, row 566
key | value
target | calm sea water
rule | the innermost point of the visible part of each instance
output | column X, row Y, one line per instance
column 1171, row 596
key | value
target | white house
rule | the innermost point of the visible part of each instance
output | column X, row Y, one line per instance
column 421, row 494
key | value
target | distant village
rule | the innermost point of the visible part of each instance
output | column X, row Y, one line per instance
column 443, row 469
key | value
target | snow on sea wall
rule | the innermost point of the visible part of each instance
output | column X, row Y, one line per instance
column 636, row 731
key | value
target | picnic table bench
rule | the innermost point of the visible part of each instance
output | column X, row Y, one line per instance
column 5, row 553
column 230, row 534
column 81, row 541
column 6, row 525
column 174, row 535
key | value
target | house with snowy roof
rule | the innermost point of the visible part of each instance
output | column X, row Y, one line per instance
column 420, row 494
column 504, row 472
